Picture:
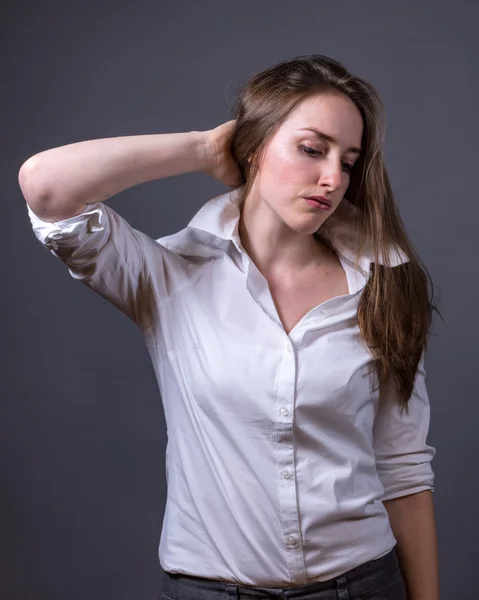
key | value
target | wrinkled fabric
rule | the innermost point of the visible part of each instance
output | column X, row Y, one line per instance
column 279, row 452
column 379, row 579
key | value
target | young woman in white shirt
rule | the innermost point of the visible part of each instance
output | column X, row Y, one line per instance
column 287, row 325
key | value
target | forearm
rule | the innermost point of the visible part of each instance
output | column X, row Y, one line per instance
column 413, row 524
column 61, row 181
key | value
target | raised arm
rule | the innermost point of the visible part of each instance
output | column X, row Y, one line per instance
column 65, row 188
column 58, row 183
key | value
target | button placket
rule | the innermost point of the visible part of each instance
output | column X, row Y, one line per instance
column 289, row 512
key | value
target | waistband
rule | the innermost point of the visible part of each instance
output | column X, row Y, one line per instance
column 380, row 570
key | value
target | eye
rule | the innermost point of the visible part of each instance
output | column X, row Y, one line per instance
column 309, row 151
column 347, row 168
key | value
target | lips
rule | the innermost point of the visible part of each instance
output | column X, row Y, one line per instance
column 320, row 199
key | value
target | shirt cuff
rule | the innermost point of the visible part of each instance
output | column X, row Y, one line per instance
column 57, row 233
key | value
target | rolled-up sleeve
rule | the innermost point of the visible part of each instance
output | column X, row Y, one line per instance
column 103, row 251
column 403, row 457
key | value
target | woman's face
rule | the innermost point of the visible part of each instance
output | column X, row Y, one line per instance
column 298, row 163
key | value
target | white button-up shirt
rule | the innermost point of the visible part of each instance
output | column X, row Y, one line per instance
column 279, row 453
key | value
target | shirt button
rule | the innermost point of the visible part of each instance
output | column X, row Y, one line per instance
column 291, row 540
column 286, row 474
column 284, row 411
column 288, row 348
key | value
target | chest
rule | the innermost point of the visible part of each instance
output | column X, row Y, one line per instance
column 222, row 359
column 296, row 297
column 218, row 346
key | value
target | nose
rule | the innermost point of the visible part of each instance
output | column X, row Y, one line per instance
column 331, row 174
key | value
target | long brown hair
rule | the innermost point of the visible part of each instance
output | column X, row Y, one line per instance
column 395, row 307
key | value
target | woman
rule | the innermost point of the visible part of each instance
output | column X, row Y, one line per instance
column 287, row 326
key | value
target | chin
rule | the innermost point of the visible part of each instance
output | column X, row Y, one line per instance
column 307, row 220
column 307, row 228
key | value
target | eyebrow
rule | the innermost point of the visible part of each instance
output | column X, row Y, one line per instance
column 329, row 138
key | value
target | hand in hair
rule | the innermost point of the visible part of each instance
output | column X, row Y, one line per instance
column 220, row 162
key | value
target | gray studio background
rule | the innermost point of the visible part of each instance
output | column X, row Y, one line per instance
column 82, row 432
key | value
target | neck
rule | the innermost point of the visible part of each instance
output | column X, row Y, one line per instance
column 275, row 248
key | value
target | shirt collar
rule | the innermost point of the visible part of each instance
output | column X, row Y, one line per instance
column 219, row 220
